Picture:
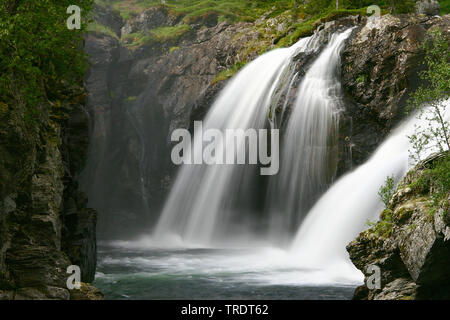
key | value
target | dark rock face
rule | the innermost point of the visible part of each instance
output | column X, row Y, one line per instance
column 136, row 98
column 414, row 256
column 108, row 17
column 149, row 19
column 380, row 66
column 41, row 232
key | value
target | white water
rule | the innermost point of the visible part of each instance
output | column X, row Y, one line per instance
column 341, row 214
column 200, row 205
column 308, row 159
column 199, row 208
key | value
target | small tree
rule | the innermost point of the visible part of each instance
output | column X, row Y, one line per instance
column 387, row 190
column 434, row 94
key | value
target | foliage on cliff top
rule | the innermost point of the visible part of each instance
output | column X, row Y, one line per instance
column 39, row 56
column 250, row 10
column 242, row 10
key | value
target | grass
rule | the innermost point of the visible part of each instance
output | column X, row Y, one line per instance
column 301, row 22
column 307, row 26
column 228, row 73
column 234, row 10
column 99, row 28
column 129, row 8
column 158, row 35
column 163, row 34
column 383, row 227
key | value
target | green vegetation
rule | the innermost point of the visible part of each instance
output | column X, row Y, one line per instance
column 40, row 58
column 99, row 28
column 382, row 228
column 387, row 190
column 164, row 34
column 434, row 94
column 302, row 17
column 361, row 78
column 250, row 10
column 158, row 35
column 435, row 177
column 226, row 74
column 445, row 6
column 434, row 180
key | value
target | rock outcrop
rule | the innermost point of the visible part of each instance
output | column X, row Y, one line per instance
column 44, row 223
column 410, row 244
column 380, row 67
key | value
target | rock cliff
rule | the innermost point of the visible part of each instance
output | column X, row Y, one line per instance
column 380, row 67
column 45, row 225
column 410, row 244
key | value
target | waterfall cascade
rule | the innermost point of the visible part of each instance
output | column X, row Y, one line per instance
column 309, row 146
column 200, row 207
column 342, row 212
column 200, row 204
column 204, row 202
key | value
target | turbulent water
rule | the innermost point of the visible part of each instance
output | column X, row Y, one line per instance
column 131, row 271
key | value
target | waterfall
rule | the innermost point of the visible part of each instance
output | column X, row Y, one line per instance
column 309, row 148
column 209, row 201
column 202, row 202
column 342, row 212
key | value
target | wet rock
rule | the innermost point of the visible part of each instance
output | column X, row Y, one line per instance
column 414, row 256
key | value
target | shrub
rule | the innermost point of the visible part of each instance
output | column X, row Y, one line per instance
column 387, row 190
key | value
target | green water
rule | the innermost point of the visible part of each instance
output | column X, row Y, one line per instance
column 140, row 273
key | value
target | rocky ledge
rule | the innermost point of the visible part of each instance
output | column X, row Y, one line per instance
column 410, row 244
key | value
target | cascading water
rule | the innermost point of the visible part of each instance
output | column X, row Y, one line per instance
column 200, row 204
column 308, row 158
column 341, row 213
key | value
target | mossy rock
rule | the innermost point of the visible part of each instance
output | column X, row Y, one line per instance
column 403, row 214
